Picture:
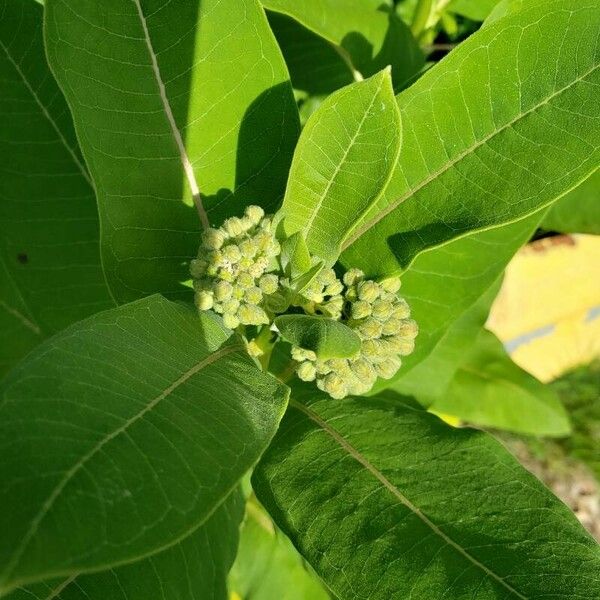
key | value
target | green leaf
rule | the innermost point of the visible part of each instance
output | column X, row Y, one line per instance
column 430, row 378
column 195, row 568
column 324, row 336
column 133, row 425
column 476, row 10
column 367, row 34
column 316, row 66
column 170, row 102
column 500, row 128
column 418, row 510
column 489, row 389
column 50, row 273
column 342, row 164
column 267, row 566
column 295, row 257
column 446, row 281
column 578, row 211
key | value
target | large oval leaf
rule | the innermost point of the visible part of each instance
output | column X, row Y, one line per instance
column 498, row 129
column 121, row 435
column 194, row 569
column 342, row 164
column 50, row 273
column 172, row 101
column 418, row 510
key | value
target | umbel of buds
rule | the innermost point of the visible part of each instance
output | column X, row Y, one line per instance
column 234, row 270
column 381, row 320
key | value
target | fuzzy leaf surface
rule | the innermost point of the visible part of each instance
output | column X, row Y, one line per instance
column 134, row 424
column 343, row 162
column 324, row 336
column 489, row 389
column 172, row 100
column 50, row 272
column 419, row 509
column 500, row 128
column 193, row 569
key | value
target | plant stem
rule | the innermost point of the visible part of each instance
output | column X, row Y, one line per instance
column 264, row 341
column 421, row 17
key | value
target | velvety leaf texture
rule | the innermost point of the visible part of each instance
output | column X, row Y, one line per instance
column 50, row 273
column 502, row 126
column 420, row 510
column 172, row 99
column 134, row 425
column 194, row 569
column 343, row 161
column 489, row 389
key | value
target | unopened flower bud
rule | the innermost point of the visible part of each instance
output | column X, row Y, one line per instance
column 388, row 368
column 232, row 253
column 382, row 309
column 254, row 214
column 253, row 295
column 368, row 291
column 269, row 284
column 245, row 280
column 213, row 239
column 353, row 276
column 360, row 309
column 300, row 354
column 392, row 326
column 234, row 226
column 230, row 321
column 250, row 314
column 334, row 385
column 401, row 309
column 204, row 300
column 370, row 329
column 223, row 290
column 231, row 306
column 248, row 249
column 306, row 371
column 400, row 345
column 408, row 329
column 323, row 367
column 391, row 285
column 333, row 308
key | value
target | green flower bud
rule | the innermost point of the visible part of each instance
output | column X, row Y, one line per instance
column 231, row 306
column 230, row 321
column 327, row 276
column 269, row 284
column 400, row 345
column 248, row 249
column 234, row 227
column 254, row 214
column 334, row 385
column 370, row 329
column 334, row 289
column 238, row 292
column 372, row 348
column 259, row 267
column 323, row 367
column 408, row 329
column 198, row 267
column 249, row 314
column 223, row 290
column 363, row 370
column 382, row 309
column 204, row 300
column 360, row 309
column 245, row 280
column 306, row 371
column 340, row 367
column 401, row 309
column 391, row 285
column 213, row 239
column 300, row 354
column 253, row 295
column 353, row 276
column 232, row 253
column 392, row 326
column 368, row 291
column 333, row 308
column 388, row 368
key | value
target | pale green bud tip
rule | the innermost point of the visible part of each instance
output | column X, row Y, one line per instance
column 213, row 239
column 204, row 300
column 353, row 276
column 234, row 226
column 335, row 386
column 370, row 329
column 383, row 309
column 360, row 309
column 253, row 295
column 300, row 354
column 391, row 285
column 232, row 253
column 269, row 284
column 388, row 368
column 223, row 291
column 368, row 291
column 408, row 329
column 230, row 321
column 249, row 314
column 245, row 280
column 197, row 268
column 254, row 214
column 306, row 371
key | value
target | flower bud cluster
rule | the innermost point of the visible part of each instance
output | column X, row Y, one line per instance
column 233, row 274
column 381, row 320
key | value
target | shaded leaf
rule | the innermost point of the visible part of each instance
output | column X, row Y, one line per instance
column 134, row 425
column 295, row 257
column 419, row 509
column 50, row 272
column 168, row 99
column 368, row 34
column 268, row 567
column 194, row 569
column 578, row 211
column 489, row 389
column 324, row 336
column 498, row 129
column 477, row 10
column 343, row 161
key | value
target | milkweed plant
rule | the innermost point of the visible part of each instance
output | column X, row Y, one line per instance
column 248, row 254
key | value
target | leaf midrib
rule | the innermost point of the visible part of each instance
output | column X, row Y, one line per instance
column 356, row 455
column 361, row 230
column 68, row 476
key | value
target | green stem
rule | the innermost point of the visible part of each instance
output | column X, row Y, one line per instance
column 264, row 340
column 421, row 16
